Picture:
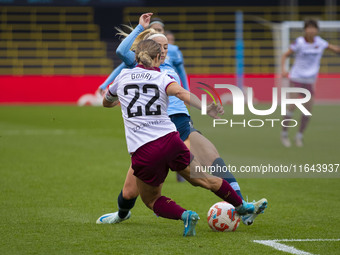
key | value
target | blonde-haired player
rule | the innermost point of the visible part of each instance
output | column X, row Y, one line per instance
column 205, row 152
column 153, row 141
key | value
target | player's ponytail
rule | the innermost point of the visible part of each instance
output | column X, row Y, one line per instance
column 146, row 51
column 144, row 58
column 146, row 33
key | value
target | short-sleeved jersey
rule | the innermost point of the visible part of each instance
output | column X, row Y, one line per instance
column 307, row 59
column 144, row 103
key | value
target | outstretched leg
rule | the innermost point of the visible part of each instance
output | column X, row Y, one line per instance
column 220, row 187
column 207, row 155
column 223, row 190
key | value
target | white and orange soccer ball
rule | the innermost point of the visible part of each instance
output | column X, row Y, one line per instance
column 222, row 217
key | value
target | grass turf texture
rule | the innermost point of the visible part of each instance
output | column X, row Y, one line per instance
column 63, row 167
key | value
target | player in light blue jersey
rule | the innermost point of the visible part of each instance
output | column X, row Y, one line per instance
column 206, row 152
column 175, row 59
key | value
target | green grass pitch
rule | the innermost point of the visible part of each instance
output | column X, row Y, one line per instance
column 63, row 167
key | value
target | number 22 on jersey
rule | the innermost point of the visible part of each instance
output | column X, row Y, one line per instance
column 146, row 89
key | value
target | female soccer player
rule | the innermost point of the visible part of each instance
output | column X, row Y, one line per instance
column 308, row 51
column 174, row 54
column 175, row 58
column 203, row 150
column 152, row 139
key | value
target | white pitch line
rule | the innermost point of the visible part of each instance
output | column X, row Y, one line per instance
column 290, row 249
column 306, row 240
column 282, row 247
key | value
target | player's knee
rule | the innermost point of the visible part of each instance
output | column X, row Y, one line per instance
column 130, row 192
column 213, row 157
column 210, row 156
column 148, row 202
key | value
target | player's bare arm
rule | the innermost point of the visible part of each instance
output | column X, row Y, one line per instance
column 287, row 54
column 174, row 89
column 334, row 48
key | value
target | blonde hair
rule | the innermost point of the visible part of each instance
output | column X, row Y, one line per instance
column 146, row 51
column 142, row 36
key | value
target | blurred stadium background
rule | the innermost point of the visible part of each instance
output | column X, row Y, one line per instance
column 70, row 45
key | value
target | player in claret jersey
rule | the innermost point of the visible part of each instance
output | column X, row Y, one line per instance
column 308, row 50
column 152, row 139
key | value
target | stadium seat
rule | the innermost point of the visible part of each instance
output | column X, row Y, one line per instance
column 51, row 40
column 206, row 35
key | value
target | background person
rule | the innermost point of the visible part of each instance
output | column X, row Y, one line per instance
column 308, row 50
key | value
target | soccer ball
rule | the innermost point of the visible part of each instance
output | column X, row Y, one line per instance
column 222, row 217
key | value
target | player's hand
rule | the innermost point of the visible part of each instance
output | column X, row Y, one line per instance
column 284, row 74
column 144, row 19
column 214, row 109
column 100, row 91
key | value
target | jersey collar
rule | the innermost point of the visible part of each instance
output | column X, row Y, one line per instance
column 309, row 42
column 149, row 68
